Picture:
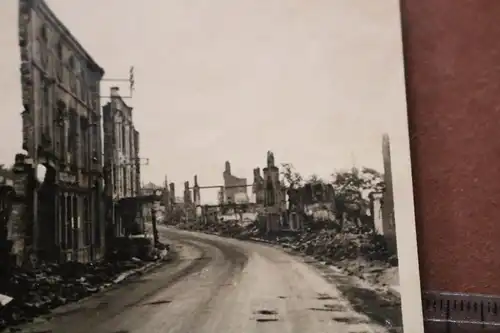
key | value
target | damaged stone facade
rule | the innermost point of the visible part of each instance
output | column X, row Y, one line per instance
column 274, row 200
column 121, row 157
column 196, row 192
column 258, row 187
column 171, row 193
column 307, row 197
column 61, row 130
column 234, row 188
column 270, row 196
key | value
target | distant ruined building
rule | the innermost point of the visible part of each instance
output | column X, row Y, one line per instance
column 232, row 190
column 318, row 196
column 284, row 207
column 258, row 187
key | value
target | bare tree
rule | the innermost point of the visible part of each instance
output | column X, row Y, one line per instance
column 290, row 177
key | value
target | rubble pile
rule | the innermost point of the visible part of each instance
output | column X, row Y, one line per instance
column 361, row 254
column 226, row 229
column 338, row 246
column 36, row 292
column 355, row 249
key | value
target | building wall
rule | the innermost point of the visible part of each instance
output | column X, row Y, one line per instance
column 271, row 180
column 274, row 195
column 231, row 180
column 121, row 158
column 60, row 83
column 258, row 187
column 171, row 192
column 121, row 146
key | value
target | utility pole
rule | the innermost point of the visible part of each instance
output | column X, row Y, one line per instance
column 156, row 202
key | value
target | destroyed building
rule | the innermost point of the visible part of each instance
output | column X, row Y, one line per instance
column 274, row 200
column 258, row 187
column 61, row 132
column 306, row 197
column 122, row 164
column 235, row 189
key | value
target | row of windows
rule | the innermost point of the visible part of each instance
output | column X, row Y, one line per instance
column 70, row 72
column 44, row 37
column 65, row 134
column 124, row 180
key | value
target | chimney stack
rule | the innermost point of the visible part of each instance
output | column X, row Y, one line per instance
column 114, row 92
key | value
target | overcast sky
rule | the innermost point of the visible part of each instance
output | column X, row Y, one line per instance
column 316, row 81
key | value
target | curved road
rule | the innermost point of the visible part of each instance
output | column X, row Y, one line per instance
column 217, row 285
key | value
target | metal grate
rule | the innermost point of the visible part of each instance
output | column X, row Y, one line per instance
column 444, row 311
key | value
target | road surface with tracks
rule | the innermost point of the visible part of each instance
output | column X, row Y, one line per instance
column 217, row 285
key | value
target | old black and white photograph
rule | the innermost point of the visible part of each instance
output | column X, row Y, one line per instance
column 205, row 166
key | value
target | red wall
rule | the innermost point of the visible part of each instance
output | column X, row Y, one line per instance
column 452, row 50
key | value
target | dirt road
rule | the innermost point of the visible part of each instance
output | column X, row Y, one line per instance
column 217, row 285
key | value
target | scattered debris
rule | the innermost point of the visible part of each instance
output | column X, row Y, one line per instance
column 27, row 294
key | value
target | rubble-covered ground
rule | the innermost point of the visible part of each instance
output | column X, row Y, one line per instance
column 360, row 253
column 36, row 292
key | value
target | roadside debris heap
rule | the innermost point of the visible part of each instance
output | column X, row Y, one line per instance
column 27, row 294
column 331, row 245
